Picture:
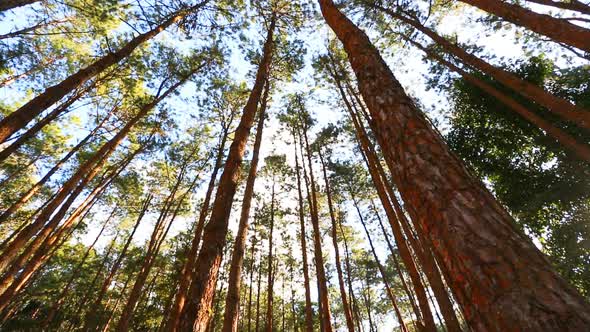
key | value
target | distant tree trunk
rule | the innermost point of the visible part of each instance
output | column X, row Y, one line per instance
column 343, row 296
column 390, row 294
column 11, row 4
column 115, row 267
column 76, row 272
column 258, row 292
column 232, row 300
column 187, row 273
column 460, row 217
column 303, row 237
column 270, row 260
column 579, row 150
column 251, row 284
column 354, row 305
column 368, row 304
column 326, row 315
column 196, row 312
column 557, row 29
column 559, row 106
column 18, row 119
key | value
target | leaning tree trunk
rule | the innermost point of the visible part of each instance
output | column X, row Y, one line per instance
column 554, row 104
column 308, row 309
column 577, row 149
column 232, row 299
column 502, row 281
column 343, row 296
column 574, row 5
column 21, row 117
column 196, row 312
column 557, row 29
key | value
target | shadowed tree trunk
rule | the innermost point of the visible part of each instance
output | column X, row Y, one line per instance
column 196, row 313
column 270, row 259
column 232, row 300
column 500, row 278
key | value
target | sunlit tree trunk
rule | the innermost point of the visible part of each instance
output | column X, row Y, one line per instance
column 196, row 313
column 232, row 300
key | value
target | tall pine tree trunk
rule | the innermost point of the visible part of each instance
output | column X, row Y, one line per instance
column 502, row 281
column 270, row 259
column 343, row 296
column 196, row 313
column 232, row 299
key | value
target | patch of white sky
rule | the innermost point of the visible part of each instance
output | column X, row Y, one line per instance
column 407, row 64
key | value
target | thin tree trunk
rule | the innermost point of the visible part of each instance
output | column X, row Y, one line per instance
column 258, row 292
column 343, row 296
column 559, row 106
column 62, row 296
column 573, row 5
column 18, row 119
column 196, row 312
column 37, row 186
column 390, row 294
column 463, row 220
column 319, row 259
column 251, row 284
column 580, row 150
column 308, row 309
column 270, row 259
column 232, row 300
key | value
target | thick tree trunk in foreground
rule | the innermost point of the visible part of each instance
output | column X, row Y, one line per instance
column 11, row 4
column 557, row 29
column 561, row 107
column 18, row 119
column 303, row 237
column 232, row 299
column 196, row 312
column 502, row 281
column 345, row 305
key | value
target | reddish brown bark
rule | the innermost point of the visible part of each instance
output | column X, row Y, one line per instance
column 232, row 299
column 557, row 29
column 196, row 312
column 187, row 273
column 303, row 237
column 343, row 296
column 326, row 315
column 21, row 117
column 558, row 106
column 426, row 314
column 500, row 278
column 574, row 5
